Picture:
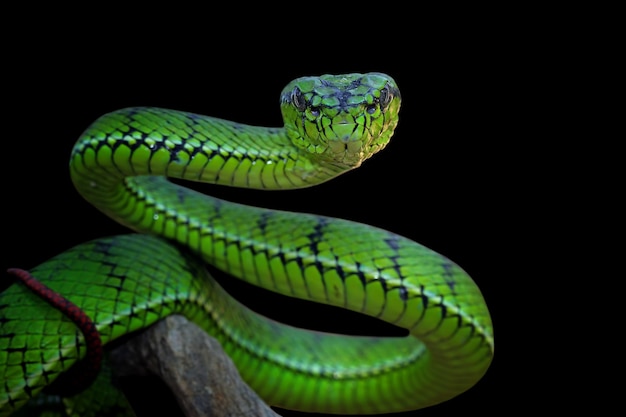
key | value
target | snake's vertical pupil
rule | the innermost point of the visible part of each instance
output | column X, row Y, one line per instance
column 298, row 99
column 385, row 97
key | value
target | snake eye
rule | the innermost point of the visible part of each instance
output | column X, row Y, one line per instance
column 383, row 101
column 298, row 100
column 385, row 97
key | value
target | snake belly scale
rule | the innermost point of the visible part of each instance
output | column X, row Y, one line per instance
column 332, row 123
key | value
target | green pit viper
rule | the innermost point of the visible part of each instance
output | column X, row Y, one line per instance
column 332, row 123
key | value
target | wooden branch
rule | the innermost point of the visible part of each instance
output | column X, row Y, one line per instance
column 195, row 368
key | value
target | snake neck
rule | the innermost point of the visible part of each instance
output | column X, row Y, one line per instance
column 145, row 141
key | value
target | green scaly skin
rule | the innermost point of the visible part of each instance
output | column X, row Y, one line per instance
column 126, row 283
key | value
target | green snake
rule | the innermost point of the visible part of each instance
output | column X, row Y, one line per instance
column 332, row 123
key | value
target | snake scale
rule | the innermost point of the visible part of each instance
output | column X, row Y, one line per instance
column 332, row 123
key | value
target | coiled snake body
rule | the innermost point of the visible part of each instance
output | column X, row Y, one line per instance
column 125, row 283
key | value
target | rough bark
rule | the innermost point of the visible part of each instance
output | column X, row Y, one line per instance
column 195, row 368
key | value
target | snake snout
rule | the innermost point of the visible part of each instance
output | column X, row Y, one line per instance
column 346, row 132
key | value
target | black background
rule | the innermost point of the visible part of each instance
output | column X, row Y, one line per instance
column 445, row 180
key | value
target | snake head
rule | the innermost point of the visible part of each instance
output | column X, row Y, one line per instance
column 343, row 119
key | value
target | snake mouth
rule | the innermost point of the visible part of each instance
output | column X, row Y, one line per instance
column 347, row 145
